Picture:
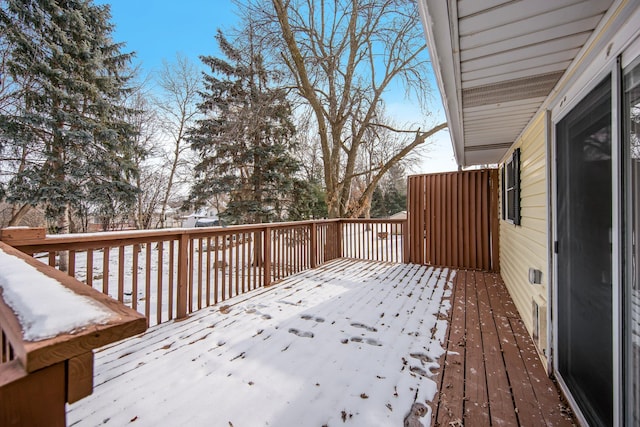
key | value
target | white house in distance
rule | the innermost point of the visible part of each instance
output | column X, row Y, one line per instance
column 550, row 91
column 203, row 218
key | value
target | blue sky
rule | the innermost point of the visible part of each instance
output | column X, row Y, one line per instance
column 160, row 29
column 157, row 30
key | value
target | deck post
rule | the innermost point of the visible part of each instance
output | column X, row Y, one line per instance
column 339, row 225
column 314, row 245
column 267, row 256
column 406, row 247
column 183, row 267
column 36, row 399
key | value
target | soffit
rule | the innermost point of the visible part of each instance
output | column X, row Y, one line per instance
column 496, row 61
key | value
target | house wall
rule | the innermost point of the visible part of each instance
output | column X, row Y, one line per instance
column 525, row 246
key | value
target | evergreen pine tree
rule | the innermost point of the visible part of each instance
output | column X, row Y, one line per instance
column 378, row 208
column 243, row 143
column 72, row 116
column 308, row 201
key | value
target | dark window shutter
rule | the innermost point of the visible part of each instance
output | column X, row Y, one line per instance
column 504, row 192
column 516, row 173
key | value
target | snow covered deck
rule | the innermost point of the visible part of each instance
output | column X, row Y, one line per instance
column 355, row 342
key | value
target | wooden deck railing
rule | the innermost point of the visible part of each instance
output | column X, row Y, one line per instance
column 37, row 377
column 167, row 274
column 374, row 239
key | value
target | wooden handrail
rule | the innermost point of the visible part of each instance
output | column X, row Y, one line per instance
column 13, row 236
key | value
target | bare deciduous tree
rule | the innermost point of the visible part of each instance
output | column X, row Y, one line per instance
column 180, row 84
column 343, row 56
column 151, row 180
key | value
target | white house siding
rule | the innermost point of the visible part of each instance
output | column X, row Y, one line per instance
column 525, row 246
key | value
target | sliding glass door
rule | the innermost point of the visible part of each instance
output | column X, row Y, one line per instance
column 584, row 263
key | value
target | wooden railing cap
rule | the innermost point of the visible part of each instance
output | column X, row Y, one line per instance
column 10, row 235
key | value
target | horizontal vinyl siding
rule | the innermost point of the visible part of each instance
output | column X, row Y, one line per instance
column 525, row 246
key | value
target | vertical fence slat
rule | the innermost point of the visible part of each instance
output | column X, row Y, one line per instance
column 190, row 292
column 105, row 270
column 72, row 263
column 208, row 275
column 485, row 220
column 449, row 209
column 160, row 262
column 89, row 271
column 199, row 272
column 422, row 238
column 467, row 209
column 238, row 241
column 183, row 266
column 244, row 262
column 121, row 273
column 266, row 239
column 134, row 277
column 170, row 284
column 223, row 265
column 147, row 282
column 495, row 222
column 216, row 268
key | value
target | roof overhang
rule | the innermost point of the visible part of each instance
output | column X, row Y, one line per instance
column 496, row 61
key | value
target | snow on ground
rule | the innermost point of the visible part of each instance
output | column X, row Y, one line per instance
column 44, row 307
column 352, row 342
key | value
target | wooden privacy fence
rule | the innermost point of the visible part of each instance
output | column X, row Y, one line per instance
column 167, row 274
column 453, row 219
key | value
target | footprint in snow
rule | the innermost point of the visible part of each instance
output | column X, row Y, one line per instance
column 370, row 341
column 424, row 358
column 363, row 326
column 423, row 373
column 310, row 317
column 303, row 334
column 418, row 370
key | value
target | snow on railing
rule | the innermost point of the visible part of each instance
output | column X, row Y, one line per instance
column 169, row 273
column 50, row 323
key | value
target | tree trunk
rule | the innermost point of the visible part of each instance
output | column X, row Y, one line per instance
column 63, row 228
column 138, row 215
column 19, row 215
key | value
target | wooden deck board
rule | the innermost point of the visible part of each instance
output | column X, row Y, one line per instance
column 451, row 390
column 500, row 402
column 494, row 341
column 476, row 404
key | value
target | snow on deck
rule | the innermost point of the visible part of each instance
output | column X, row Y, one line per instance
column 44, row 307
column 352, row 342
